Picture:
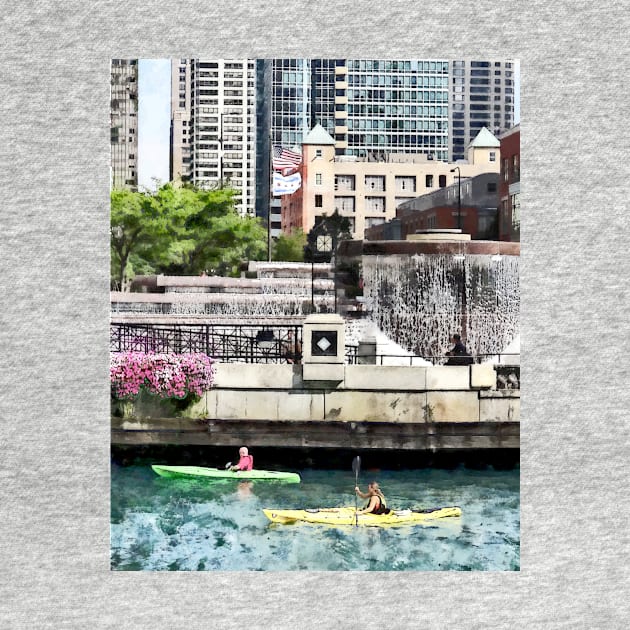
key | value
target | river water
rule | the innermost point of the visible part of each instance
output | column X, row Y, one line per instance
column 160, row 524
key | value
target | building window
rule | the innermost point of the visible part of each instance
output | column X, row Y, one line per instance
column 372, row 221
column 344, row 204
column 400, row 200
column 516, row 211
column 374, row 204
column 375, row 183
column 405, row 184
column 492, row 187
column 318, row 153
column 344, row 182
column 493, row 156
column 442, row 181
column 318, row 201
column 429, row 181
column 318, row 179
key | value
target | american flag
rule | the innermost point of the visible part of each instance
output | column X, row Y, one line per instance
column 284, row 159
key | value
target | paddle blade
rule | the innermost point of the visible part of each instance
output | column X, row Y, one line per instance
column 228, row 465
column 356, row 465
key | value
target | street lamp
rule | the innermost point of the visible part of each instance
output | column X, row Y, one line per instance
column 324, row 246
column 459, row 196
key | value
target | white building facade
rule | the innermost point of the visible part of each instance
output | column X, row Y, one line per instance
column 213, row 125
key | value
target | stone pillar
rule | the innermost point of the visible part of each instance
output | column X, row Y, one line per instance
column 323, row 347
column 366, row 352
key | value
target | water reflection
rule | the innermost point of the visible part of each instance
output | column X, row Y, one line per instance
column 245, row 489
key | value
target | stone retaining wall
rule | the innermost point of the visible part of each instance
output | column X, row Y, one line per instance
column 372, row 407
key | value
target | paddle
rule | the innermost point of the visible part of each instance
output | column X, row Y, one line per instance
column 228, row 465
column 356, row 466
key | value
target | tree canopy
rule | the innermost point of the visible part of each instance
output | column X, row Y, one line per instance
column 335, row 225
column 181, row 230
column 290, row 247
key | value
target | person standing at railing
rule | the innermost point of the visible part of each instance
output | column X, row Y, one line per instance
column 458, row 353
column 293, row 349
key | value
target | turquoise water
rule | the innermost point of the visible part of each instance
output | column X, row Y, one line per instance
column 160, row 524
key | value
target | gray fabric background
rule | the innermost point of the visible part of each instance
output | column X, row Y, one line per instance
column 54, row 171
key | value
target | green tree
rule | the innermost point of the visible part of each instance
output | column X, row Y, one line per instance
column 222, row 239
column 135, row 231
column 181, row 230
column 290, row 247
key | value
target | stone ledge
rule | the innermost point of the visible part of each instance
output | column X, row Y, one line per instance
column 448, row 377
column 328, row 434
column 329, row 372
column 482, row 376
column 254, row 376
column 376, row 377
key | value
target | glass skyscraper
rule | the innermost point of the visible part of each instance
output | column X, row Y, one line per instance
column 371, row 107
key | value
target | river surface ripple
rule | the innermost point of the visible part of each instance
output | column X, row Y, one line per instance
column 160, row 524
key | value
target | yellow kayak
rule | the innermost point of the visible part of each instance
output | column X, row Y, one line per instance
column 348, row 516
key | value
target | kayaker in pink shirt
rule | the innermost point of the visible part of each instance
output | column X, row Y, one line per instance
column 246, row 461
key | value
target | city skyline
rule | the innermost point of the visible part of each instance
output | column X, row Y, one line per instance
column 154, row 119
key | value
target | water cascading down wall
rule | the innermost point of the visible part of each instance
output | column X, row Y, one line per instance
column 420, row 298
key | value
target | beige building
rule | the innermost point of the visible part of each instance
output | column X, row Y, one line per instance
column 368, row 192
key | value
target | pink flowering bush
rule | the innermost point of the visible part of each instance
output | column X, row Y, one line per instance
column 165, row 375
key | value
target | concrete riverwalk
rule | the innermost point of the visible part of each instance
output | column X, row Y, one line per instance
column 323, row 402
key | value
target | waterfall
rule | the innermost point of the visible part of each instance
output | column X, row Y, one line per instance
column 420, row 301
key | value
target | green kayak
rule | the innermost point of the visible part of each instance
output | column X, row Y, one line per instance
column 217, row 473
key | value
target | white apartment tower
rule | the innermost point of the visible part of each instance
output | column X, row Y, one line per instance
column 213, row 125
column 124, row 123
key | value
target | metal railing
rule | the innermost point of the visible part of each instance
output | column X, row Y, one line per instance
column 255, row 343
column 228, row 343
column 508, row 374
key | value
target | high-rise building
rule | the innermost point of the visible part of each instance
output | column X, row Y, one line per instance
column 374, row 107
column 124, row 123
column 369, row 106
column 227, row 114
column 213, row 125
column 180, row 151
column 481, row 95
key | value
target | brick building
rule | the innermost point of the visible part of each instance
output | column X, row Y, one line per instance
column 510, row 186
column 476, row 216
